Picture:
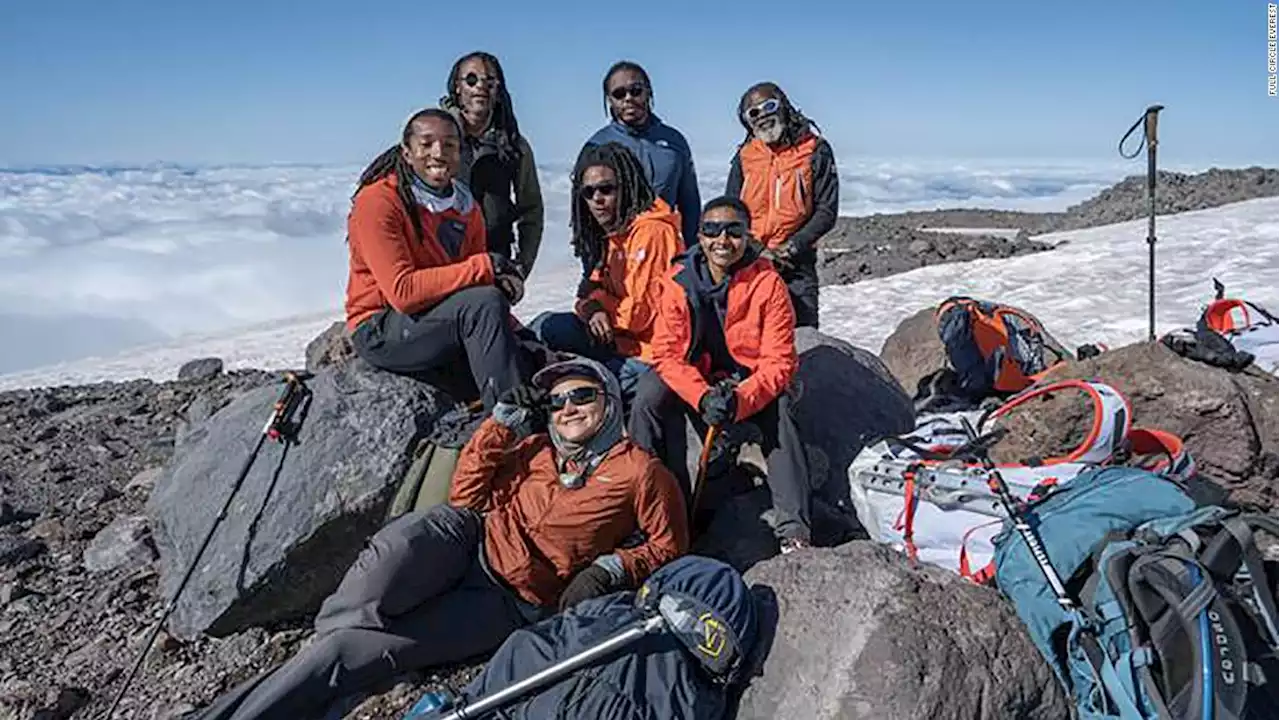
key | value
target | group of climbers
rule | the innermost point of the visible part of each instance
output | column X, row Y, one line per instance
column 575, row 485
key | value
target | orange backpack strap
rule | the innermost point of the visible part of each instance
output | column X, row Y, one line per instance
column 1171, row 458
column 1111, row 419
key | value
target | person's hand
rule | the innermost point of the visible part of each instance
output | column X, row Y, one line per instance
column 512, row 288
column 719, row 404
column 503, row 265
column 782, row 256
column 600, row 328
column 590, row 582
column 523, row 409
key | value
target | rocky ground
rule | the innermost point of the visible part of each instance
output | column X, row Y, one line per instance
column 862, row 248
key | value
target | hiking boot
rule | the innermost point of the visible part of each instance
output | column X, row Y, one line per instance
column 790, row 545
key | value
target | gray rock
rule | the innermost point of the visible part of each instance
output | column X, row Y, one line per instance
column 145, row 480
column 125, row 542
column 16, row 548
column 329, row 348
column 305, row 509
column 856, row 633
column 95, row 496
column 201, row 369
column 11, row 591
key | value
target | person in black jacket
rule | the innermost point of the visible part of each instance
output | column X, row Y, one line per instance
column 497, row 162
column 785, row 172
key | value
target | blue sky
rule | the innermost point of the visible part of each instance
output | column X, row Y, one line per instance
column 261, row 82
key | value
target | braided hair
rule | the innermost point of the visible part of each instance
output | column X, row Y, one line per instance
column 794, row 123
column 618, row 67
column 392, row 161
column 503, row 114
column 634, row 197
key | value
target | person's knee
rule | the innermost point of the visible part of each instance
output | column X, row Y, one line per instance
column 484, row 298
column 558, row 330
column 651, row 394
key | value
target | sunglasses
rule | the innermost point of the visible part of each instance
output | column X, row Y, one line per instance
column 714, row 228
column 768, row 107
column 606, row 189
column 578, row 396
column 472, row 80
column 635, row 90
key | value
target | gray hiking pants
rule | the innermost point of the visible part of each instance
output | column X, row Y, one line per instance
column 418, row 596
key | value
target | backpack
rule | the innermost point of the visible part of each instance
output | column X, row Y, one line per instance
column 435, row 457
column 926, row 492
column 1247, row 326
column 1174, row 614
column 994, row 348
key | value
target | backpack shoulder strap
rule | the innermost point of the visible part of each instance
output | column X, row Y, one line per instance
column 1111, row 419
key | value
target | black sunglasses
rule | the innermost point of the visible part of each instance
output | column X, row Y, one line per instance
column 635, row 90
column 605, row 188
column 472, row 80
column 578, row 396
column 713, row 228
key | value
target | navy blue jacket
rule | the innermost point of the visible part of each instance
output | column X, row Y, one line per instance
column 668, row 163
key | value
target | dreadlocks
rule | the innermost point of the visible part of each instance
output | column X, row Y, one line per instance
column 392, row 161
column 794, row 123
column 634, row 197
column 617, row 68
column 503, row 114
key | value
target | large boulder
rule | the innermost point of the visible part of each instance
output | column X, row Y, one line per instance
column 857, row 633
column 914, row 349
column 305, row 508
column 330, row 348
column 1228, row 420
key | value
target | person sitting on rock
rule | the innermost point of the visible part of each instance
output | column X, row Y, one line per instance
column 422, row 291
column 662, row 150
column 786, row 174
column 626, row 238
column 497, row 162
column 724, row 346
column 537, row 521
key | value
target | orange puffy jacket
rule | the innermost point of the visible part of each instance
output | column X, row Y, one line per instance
column 759, row 332
column 389, row 267
column 628, row 285
column 539, row 534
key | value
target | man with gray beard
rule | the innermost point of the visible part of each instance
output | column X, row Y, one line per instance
column 786, row 175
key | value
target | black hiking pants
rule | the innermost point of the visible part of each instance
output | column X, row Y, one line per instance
column 470, row 326
column 417, row 596
column 658, row 425
column 802, row 285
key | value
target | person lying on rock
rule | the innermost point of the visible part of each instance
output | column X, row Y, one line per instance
column 724, row 352
column 786, row 174
column 537, row 521
column 422, row 291
column 626, row 238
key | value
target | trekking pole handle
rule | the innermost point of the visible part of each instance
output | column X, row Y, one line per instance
column 293, row 384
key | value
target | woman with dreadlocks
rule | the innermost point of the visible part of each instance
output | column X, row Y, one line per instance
column 626, row 238
column 497, row 162
column 786, row 174
column 422, row 292
column 663, row 152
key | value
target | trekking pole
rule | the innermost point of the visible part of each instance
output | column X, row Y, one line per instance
column 275, row 430
column 704, row 457
column 554, row 672
column 1001, row 490
column 1148, row 121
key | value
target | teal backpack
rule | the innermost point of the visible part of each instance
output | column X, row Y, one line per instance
column 1175, row 611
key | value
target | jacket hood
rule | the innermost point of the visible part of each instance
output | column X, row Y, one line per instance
column 707, row 606
column 589, row 454
column 660, row 212
column 694, row 274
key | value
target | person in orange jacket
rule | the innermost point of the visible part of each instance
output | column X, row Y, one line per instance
column 547, row 499
column 422, row 290
column 786, row 174
column 626, row 238
column 724, row 353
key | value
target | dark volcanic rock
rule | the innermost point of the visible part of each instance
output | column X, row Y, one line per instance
column 126, row 542
column 304, row 511
column 15, row 548
column 331, row 347
column 859, row 634
column 201, row 369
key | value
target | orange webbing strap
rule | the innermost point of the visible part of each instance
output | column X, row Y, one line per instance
column 907, row 519
column 1173, row 459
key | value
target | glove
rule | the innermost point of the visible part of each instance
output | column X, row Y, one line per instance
column 590, row 582
column 523, row 409
column 719, row 404
column 782, row 255
column 512, row 288
column 503, row 265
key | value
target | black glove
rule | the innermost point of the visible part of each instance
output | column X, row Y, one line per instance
column 590, row 582
column 523, row 408
column 782, row 256
column 512, row 288
column 503, row 265
column 1084, row 352
column 719, row 404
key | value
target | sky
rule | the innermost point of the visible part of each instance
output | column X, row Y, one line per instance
column 232, row 82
